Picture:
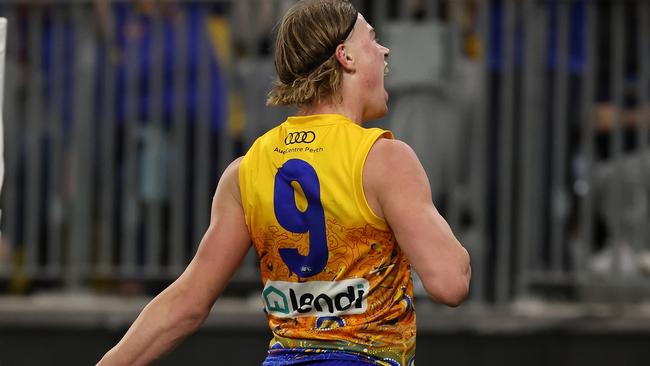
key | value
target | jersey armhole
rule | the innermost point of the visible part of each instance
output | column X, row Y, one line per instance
column 360, row 194
column 243, row 189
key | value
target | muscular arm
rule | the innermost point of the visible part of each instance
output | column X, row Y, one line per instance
column 398, row 190
column 183, row 306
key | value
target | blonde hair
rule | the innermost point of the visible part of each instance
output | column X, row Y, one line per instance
column 304, row 52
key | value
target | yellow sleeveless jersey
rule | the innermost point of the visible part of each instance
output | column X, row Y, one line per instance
column 334, row 276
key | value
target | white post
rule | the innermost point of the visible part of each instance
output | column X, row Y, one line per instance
column 3, row 39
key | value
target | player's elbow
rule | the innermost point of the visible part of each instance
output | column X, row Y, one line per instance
column 192, row 316
column 450, row 290
column 457, row 292
column 450, row 286
column 187, row 314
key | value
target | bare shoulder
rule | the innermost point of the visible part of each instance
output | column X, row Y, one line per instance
column 233, row 167
column 386, row 151
column 391, row 161
column 391, row 167
column 229, row 182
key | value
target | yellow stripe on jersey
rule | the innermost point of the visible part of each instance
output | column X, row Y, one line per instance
column 334, row 275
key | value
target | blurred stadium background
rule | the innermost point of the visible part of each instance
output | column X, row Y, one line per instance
column 530, row 117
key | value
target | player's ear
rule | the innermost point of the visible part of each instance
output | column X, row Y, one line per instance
column 344, row 58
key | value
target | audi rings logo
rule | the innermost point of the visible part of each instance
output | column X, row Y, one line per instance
column 299, row 137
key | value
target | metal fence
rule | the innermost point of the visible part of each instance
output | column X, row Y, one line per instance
column 530, row 117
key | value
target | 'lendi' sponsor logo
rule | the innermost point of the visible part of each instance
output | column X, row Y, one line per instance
column 300, row 137
column 316, row 298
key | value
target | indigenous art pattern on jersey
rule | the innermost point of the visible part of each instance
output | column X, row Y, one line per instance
column 335, row 278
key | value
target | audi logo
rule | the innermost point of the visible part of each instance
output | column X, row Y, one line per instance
column 300, row 136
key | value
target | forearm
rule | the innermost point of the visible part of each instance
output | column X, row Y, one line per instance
column 161, row 325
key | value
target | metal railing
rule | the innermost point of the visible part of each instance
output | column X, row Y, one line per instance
column 119, row 118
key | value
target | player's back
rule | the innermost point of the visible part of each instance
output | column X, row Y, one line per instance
column 334, row 276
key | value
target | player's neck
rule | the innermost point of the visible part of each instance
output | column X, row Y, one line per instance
column 343, row 108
